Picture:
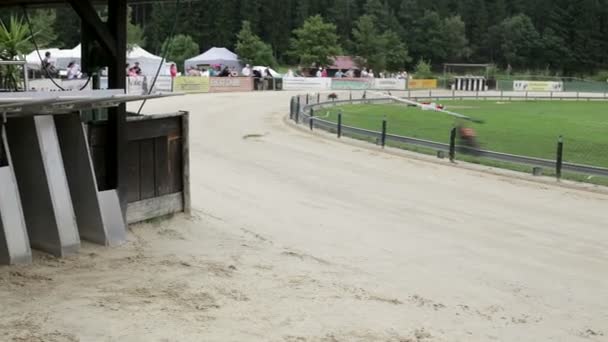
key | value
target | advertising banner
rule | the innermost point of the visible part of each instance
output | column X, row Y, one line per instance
column 191, row 84
column 137, row 85
column 422, row 84
column 352, row 83
column 306, row 83
column 389, row 84
column 537, row 86
column 230, row 84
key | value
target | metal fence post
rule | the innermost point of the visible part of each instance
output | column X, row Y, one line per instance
column 339, row 124
column 307, row 96
column 298, row 109
column 453, row 144
column 318, row 97
column 560, row 156
column 383, row 138
column 351, row 95
column 292, row 104
column 312, row 117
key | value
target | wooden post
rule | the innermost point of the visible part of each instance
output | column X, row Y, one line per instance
column 117, row 148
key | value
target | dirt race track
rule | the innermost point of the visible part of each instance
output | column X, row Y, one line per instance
column 295, row 237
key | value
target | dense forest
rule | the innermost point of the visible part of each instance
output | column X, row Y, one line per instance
column 554, row 36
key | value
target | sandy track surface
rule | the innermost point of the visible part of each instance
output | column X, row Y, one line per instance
column 298, row 238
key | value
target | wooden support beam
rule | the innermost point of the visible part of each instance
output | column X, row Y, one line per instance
column 117, row 151
column 90, row 18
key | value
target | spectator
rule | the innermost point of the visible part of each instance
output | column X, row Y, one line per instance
column 370, row 74
column 48, row 64
column 350, row 73
column 173, row 70
column 324, row 73
column 192, row 71
column 246, row 70
column 339, row 74
column 73, row 71
column 290, row 73
column 225, row 72
column 135, row 70
column 364, row 73
column 319, row 72
column 205, row 72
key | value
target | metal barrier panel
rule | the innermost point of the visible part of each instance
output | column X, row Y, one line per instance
column 43, row 186
column 88, row 206
column 14, row 241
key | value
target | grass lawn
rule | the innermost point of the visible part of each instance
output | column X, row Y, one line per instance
column 518, row 127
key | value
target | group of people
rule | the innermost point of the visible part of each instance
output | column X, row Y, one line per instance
column 48, row 66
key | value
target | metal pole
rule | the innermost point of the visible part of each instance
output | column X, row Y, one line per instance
column 453, row 144
column 560, row 156
column 307, row 99
column 298, row 108
column 318, row 97
column 339, row 124
column 311, row 119
column 351, row 95
column 383, row 139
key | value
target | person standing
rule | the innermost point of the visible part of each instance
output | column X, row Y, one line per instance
column 173, row 71
column 324, row 73
column 47, row 63
column 73, row 71
column 319, row 73
column 246, row 71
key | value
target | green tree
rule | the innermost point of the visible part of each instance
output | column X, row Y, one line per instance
column 251, row 49
column 368, row 43
column 135, row 34
column 315, row 42
column 455, row 44
column 180, row 48
column 67, row 28
column 428, row 41
column 42, row 23
column 423, row 70
column 397, row 55
column 14, row 42
column 519, row 40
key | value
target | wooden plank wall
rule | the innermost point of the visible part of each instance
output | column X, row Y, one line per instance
column 155, row 156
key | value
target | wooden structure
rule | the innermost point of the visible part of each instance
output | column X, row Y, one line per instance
column 158, row 178
column 58, row 188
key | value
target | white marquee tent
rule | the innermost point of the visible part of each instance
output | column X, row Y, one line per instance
column 213, row 56
column 148, row 62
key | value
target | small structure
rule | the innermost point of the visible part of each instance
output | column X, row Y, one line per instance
column 214, row 56
column 470, row 83
column 343, row 63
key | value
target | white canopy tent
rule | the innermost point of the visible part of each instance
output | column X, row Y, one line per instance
column 148, row 62
column 214, row 56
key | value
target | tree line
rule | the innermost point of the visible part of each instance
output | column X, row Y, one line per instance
column 568, row 37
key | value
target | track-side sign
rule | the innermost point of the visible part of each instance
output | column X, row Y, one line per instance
column 306, row 83
column 422, row 84
column 389, row 84
column 537, row 86
column 191, row 84
column 352, row 83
